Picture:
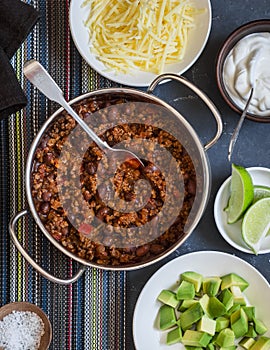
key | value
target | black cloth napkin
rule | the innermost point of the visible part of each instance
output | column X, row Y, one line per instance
column 16, row 21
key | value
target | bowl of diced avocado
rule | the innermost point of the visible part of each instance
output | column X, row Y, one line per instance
column 212, row 305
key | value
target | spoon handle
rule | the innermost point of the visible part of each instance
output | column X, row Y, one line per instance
column 39, row 77
column 238, row 126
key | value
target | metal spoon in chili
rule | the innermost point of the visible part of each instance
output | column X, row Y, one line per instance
column 40, row 78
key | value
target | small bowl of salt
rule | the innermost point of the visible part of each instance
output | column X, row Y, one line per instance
column 24, row 326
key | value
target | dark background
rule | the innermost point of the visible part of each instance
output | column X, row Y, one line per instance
column 252, row 148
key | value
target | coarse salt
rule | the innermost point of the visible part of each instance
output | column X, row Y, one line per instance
column 21, row 330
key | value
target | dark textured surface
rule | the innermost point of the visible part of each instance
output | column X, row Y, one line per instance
column 252, row 148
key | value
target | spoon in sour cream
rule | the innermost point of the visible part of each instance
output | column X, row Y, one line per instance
column 252, row 78
column 239, row 125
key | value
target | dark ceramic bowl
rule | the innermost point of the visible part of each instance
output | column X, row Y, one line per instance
column 257, row 26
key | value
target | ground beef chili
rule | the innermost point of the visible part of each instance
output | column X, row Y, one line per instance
column 102, row 247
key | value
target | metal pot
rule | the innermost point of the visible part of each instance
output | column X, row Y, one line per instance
column 197, row 151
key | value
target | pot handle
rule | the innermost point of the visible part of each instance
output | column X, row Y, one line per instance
column 12, row 230
column 201, row 94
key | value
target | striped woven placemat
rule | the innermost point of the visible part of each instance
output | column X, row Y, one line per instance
column 89, row 314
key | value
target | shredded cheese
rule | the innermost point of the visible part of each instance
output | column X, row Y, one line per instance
column 139, row 34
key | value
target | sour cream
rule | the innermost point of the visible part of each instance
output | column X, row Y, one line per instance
column 247, row 66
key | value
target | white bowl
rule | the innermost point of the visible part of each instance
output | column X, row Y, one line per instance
column 232, row 232
column 197, row 40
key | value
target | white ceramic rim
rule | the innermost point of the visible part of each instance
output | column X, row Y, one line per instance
column 140, row 79
column 232, row 232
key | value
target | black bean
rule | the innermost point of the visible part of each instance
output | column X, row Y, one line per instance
column 46, row 196
column 44, row 207
column 143, row 250
column 91, row 168
column 191, row 187
column 156, row 248
column 102, row 213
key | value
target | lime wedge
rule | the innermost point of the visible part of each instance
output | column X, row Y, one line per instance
column 261, row 192
column 242, row 193
column 256, row 223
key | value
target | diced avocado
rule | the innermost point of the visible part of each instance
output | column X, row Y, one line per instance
column 233, row 347
column 226, row 298
column 186, row 304
column 174, row 336
column 212, row 306
column 211, row 285
column 225, row 338
column 233, row 308
column 167, row 317
column 232, row 279
column 214, row 338
column 246, row 342
column 178, row 323
column 204, row 302
column 259, row 326
column 193, row 277
column 190, row 316
column 221, row 323
column 250, row 312
column 251, row 333
column 211, row 346
column 239, row 323
column 238, row 297
column 207, row 325
column 263, row 343
column 168, row 297
column 195, row 338
column 215, row 307
column 186, row 290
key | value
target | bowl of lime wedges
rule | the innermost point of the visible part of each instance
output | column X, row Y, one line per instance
column 242, row 209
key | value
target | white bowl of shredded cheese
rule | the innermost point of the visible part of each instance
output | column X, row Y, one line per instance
column 24, row 326
column 133, row 41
